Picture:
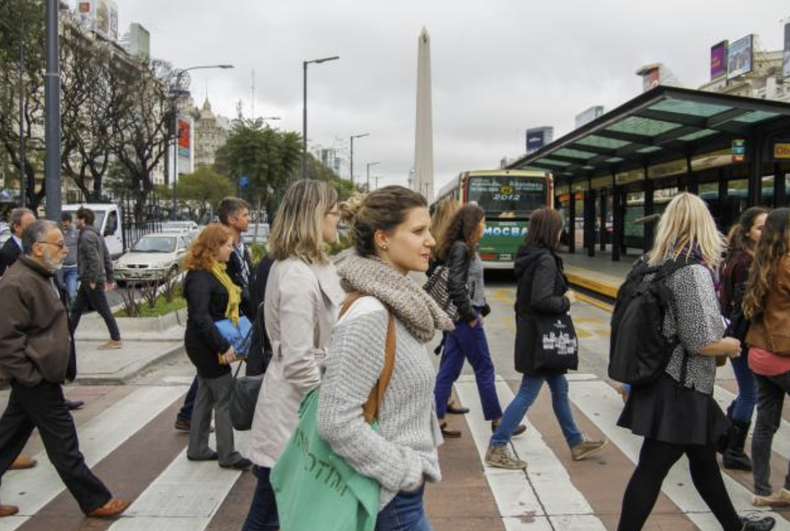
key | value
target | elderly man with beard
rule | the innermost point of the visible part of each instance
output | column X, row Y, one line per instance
column 37, row 356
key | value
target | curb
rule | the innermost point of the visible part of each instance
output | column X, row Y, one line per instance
column 125, row 378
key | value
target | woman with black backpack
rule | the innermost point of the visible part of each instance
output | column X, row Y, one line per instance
column 676, row 412
column 542, row 291
column 742, row 240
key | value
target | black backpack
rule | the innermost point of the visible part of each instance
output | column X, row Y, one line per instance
column 639, row 352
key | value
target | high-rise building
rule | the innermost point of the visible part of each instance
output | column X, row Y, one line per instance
column 210, row 133
column 537, row 137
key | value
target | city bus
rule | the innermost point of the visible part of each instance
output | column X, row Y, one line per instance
column 508, row 197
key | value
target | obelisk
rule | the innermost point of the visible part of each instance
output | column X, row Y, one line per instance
column 423, row 138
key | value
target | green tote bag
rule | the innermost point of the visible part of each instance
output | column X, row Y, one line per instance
column 315, row 488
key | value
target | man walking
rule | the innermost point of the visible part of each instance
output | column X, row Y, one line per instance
column 94, row 268
column 12, row 248
column 37, row 356
column 234, row 213
column 69, row 272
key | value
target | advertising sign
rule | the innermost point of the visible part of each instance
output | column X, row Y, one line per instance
column 183, row 138
column 100, row 16
column 502, row 239
column 786, row 61
column 740, row 57
column 718, row 60
column 538, row 138
column 782, row 150
column 739, row 150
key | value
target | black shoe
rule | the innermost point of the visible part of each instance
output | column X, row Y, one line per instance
column 455, row 409
column 757, row 523
column 447, row 433
column 241, row 464
column 211, row 457
column 183, row 425
column 734, row 458
column 74, row 404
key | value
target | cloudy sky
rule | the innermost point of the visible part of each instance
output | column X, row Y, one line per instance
column 499, row 66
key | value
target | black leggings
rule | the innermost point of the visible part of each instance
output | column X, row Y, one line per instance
column 655, row 460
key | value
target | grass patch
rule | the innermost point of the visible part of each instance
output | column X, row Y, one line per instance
column 162, row 306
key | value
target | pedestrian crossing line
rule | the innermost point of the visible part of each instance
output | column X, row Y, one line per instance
column 781, row 443
column 184, row 497
column 602, row 405
column 545, row 498
column 34, row 488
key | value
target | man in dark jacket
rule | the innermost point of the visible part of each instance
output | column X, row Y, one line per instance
column 37, row 356
column 12, row 248
column 94, row 267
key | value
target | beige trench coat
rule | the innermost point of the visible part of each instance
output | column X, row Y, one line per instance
column 301, row 308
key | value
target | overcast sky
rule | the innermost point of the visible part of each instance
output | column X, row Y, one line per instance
column 499, row 66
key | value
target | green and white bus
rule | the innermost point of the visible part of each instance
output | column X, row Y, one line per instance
column 508, row 197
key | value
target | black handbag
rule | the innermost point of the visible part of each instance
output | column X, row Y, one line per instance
column 243, row 399
column 437, row 288
column 546, row 342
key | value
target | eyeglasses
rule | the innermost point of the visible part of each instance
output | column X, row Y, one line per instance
column 59, row 245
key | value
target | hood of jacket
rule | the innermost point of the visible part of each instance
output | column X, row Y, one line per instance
column 528, row 255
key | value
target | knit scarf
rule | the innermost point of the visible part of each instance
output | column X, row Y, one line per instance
column 413, row 307
column 234, row 292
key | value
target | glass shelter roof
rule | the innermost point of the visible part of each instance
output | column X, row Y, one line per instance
column 663, row 124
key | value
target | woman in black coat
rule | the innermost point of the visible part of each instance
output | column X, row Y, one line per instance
column 542, row 290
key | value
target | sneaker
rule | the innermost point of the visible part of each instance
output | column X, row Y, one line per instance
column 499, row 457
column 111, row 345
column 777, row 499
column 241, row 464
column 757, row 523
column 586, row 448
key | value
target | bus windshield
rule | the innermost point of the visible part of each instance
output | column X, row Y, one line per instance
column 507, row 194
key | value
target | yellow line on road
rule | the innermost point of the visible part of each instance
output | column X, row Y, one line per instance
column 595, row 302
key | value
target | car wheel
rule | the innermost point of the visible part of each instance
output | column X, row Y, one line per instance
column 173, row 272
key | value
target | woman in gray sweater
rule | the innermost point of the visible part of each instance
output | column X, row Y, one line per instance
column 392, row 238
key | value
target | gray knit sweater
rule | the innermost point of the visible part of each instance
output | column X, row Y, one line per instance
column 403, row 453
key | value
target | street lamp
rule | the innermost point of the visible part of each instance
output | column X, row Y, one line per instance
column 351, row 157
column 304, row 108
column 377, row 177
column 21, row 75
column 368, row 174
column 177, row 134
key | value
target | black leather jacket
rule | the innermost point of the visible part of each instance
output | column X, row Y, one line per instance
column 541, row 282
column 457, row 262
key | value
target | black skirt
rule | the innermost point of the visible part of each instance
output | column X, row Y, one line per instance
column 667, row 412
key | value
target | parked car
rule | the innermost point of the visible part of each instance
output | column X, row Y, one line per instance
column 153, row 257
column 179, row 226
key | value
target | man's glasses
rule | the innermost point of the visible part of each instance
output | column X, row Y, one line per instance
column 59, row 245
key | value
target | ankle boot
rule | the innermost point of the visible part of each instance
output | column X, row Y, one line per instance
column 734, row 457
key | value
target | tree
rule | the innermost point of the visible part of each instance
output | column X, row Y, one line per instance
column 203, row 190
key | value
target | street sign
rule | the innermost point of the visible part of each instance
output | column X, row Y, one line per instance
column 244, row 181
column 739, row 150
column 782, row 150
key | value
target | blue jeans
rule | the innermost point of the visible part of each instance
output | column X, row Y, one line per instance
column 467, row 343
column 185, row 413
column 742, row 408
column 263, row 509
column 527, row 393
column 70, row 280
column 405, row 512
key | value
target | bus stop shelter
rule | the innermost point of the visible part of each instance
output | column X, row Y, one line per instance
column 614, row 174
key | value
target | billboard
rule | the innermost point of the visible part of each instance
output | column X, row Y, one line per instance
column 100, row 16
column 786, row 60
column 539, row 137
column 718, row 60
column 740, row 57
column 183, row 138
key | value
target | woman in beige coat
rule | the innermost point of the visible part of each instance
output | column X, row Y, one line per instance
column 302, row 296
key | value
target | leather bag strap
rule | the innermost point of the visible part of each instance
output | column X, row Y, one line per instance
column 376, row 397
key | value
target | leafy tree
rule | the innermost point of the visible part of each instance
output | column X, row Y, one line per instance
column 203, row 190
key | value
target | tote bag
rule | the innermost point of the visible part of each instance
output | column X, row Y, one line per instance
column 315, row 488
column 546, row 342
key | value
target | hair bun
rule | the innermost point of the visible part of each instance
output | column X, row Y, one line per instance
column 351, row 207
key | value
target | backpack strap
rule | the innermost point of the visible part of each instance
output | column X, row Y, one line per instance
column 371, row 407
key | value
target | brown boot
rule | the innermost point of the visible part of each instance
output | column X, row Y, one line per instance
column 22, row 462
column 111, row 509
column 8, row 510
column 447, row 432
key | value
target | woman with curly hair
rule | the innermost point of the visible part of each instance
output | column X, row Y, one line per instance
column 767, row 305
column 457, row 250
column 211, row 296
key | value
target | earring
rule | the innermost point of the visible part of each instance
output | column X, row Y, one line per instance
column 384, row 247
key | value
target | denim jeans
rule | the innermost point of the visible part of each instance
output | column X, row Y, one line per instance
column 467, row 343
column 263, row 509
column 771, row 391
column 406, row 512
column 68, row 275
column 742, row 408
column 185, row 413
column 527, row 393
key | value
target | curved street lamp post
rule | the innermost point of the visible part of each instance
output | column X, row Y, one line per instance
column 304, row 108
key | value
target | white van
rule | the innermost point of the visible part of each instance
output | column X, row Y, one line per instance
column 108, row 222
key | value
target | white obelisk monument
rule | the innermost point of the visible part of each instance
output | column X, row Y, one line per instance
column 423, row 139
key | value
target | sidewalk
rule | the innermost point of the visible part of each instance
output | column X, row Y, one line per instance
column 146, row 342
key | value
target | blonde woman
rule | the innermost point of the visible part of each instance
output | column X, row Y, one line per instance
column 300, row 308
column 676, row 414
column 211, row 296
column 441, row 218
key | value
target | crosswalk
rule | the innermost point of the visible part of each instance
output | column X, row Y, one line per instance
column 131, row 445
